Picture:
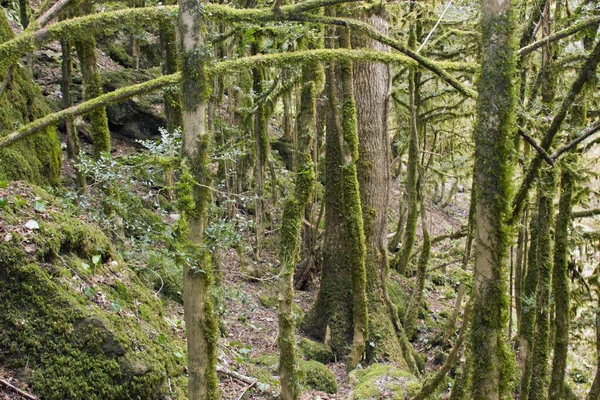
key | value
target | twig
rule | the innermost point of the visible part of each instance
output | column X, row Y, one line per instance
column 245, row 390
column 537, row 147
column 242, row 378
column 19, row 391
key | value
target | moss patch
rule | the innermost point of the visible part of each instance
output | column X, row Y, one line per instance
column 383, row 381
column 317, row 376
column 315, row 351
column 74, row 321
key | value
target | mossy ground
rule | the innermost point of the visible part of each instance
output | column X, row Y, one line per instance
column 75, row 321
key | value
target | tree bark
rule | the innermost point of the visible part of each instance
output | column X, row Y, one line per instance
column 490, row 356
column 199, row 314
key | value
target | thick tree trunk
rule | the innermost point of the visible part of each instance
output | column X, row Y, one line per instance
column 493, row 147
column 200, row 318
column 372, row 88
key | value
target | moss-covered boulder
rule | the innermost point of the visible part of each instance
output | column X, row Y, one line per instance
column 317, row 376
column 383, row 381
column 36, row 159
column 315, row 351
column 75, row 321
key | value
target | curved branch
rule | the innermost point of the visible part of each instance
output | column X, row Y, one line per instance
column 220, row 68
column 558, row 35
column 93, row 24
column 85, row 107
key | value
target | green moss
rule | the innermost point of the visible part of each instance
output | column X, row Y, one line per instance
column 268, row 360
column 38, row 158
column 71, row 338
column 318, row 377
column 315, row 351
column 382, row 381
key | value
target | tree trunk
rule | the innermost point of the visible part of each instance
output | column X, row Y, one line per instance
column 493, row 147
column 560, row 286
column 291, row 226
column 372, row 87
column 200, row 318
column 542, row 310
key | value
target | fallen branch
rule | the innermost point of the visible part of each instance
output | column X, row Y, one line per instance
column 19, row 391
column 246, row 389
column 236, row 375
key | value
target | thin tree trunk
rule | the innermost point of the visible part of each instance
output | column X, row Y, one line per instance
column 594, row 393
column 293, row 215
column 417, row 298
column 200, row 319
column 560, row 286
column 539, row 375
column 92, row 88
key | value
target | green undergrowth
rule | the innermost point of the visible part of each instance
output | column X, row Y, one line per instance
column 75, row 321
column 36, row 159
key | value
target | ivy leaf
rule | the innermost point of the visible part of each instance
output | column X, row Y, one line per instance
column 85, row 266
column 96, row 259
column 89, row 292
column 39, row 206
column 115, row 306
column 178, row 354
column 32, row 224
column 3, row 202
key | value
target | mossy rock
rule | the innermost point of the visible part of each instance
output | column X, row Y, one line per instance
column 383, row 381
column 75, row 322
column 317, row 376
column 315, row 351
column 37, row 158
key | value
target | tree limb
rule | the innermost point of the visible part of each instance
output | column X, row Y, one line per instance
column 558, row 35
column 585, row 213
column 588, row 70
column 575, row 142
column 540, row 151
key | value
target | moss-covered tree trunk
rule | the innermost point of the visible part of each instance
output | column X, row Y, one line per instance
column 527, row 321
column 494, row 131
column 416, row 299
column 371, row 88
column 594, row 393
column 560, row 284
column 92, row 87
column 293, row 215
column 200, row 318
column 170, row 65
column 353, row 215
column 539, row 372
